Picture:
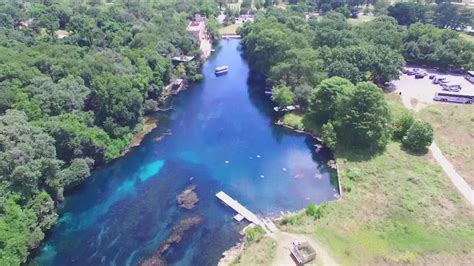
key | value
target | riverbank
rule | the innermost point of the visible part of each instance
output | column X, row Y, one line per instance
column 149, row 123
column 397, row 208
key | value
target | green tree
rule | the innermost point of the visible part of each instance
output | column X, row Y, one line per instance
column 328, row 97
column 407, row 13
column 328, row 135
column 363, row 119
column 418, row 137
column 401, row 124
column 283, row 96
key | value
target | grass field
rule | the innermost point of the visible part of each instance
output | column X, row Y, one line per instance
column 468, row 37
column 397, row 208
column 230, row 29
column 257, row 253
column 293, row 120
column 454, row 133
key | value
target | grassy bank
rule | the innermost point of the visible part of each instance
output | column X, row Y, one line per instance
column 259, row 252
column 468, row 37
column 454, row 133
column 229, row 29
column 293, row 120
column 397, row 208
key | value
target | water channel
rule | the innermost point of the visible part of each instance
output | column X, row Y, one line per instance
column 221, row 137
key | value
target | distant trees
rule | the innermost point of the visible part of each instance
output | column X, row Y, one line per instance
column 407, row 13
column 435, row 47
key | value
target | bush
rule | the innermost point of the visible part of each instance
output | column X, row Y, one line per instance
column 419, row 136
column 316, row 212
column 402, row 124
column 292, row 220
column 328, row 135
column 254, row 233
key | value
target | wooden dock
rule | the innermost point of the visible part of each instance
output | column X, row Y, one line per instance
column 240, row 209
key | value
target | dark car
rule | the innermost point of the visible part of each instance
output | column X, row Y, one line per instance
column 419, row 76
column 410, row 72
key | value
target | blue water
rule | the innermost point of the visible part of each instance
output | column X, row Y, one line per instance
column 222, row 138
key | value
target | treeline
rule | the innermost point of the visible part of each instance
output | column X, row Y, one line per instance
column 329, row 68
column 75, row 81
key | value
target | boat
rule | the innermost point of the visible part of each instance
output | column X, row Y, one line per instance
column 222, row 70
column 286, row 108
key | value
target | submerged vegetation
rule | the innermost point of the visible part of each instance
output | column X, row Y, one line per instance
column 75, row 80
column 398, row 207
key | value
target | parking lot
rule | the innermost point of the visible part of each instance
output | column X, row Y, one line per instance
column 423, row 90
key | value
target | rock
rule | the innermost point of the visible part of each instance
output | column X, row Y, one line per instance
column 188, row 198
column 178, row 231
column 176, row 235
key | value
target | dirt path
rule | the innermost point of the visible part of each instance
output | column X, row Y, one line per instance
column 284, row 241
column 447, row 167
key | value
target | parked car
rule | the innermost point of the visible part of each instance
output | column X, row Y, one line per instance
column 432, row 76
column 411, row 72
column 440, row 81
column 453, row 88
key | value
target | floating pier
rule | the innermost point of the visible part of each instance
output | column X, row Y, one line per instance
column 242, row 212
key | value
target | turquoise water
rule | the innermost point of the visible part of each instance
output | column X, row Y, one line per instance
column 222, row 138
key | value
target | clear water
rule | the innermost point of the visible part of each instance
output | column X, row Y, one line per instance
column 222, row 138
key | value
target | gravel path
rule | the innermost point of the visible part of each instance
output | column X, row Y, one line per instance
column 448, row 168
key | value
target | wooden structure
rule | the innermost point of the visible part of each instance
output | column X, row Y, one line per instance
column 303, row 252
column 244, row 212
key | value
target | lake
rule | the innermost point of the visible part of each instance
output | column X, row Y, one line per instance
column 221, row 136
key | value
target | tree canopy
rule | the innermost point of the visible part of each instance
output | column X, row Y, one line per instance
column 74, row 80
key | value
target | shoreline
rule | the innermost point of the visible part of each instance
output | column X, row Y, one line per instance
column 149, row 123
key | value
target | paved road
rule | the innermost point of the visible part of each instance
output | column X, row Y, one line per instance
column 448, row 168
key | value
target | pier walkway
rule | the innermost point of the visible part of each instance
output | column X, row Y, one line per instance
column 240, row 209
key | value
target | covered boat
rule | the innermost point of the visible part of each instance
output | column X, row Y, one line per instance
column 222, row 69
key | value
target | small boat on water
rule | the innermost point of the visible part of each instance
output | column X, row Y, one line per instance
column 222, row 70
column 286, row 108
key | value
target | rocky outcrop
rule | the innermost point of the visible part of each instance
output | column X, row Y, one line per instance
column 188, row 198
column 176, row 236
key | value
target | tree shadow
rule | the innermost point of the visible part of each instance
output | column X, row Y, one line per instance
column 414, row 153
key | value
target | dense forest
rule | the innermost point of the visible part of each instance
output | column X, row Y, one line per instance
column 75, row 81
column 76, row 78
column 330, row 68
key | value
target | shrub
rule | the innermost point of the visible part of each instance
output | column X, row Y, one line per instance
column 328, row 135
column 254, row 233
column 402, row 124
column 292, row 219
column 316, row 212
column 419, row 136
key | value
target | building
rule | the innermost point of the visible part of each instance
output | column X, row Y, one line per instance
column 197, row 27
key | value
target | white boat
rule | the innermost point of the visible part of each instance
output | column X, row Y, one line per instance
column 286, row 108
column 222, row 69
